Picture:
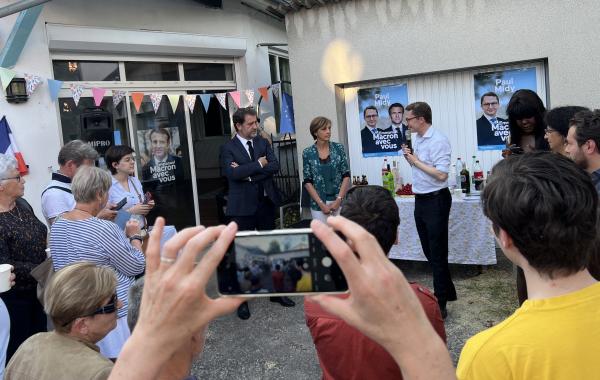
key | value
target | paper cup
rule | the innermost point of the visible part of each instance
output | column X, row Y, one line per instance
column 5, row 270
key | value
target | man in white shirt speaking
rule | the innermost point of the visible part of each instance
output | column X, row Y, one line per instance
column 430, row 162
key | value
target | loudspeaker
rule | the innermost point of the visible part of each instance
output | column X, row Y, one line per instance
column 97, row 129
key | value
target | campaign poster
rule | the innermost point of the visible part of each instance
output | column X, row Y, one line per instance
column 490, row 110
column 159, row 154
column 379, row 135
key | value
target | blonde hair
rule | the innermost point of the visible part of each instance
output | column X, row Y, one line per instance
column 89, row 182
column 318, row 123
column 77, row 290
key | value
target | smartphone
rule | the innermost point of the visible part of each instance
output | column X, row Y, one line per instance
column 278, row 263
column 120, row 205
column 147, row 197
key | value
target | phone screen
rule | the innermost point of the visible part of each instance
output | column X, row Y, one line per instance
column 278, row 263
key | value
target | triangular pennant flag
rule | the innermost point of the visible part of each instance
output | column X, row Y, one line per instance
column 118, row 96
column 235, row 95
column 206, row 100
column 54, row 86
column 221, row 97
column 137, row 98
column 156, row 98
column 275, row 88
column 98, row 94
column 6, row 75
column 190, row 100
column 174, row 100
column 250, row 96
column 76, row 91
column 32, row 82
column 264, row 92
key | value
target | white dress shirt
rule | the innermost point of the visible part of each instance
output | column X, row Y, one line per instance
column 433, row 149
column 245, row 144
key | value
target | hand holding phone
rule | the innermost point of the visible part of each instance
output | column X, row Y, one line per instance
column 147, row 197
column 120, row 205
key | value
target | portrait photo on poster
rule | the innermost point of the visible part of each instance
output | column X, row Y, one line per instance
column 158, row 154
column 381, row 111
column 493, row 91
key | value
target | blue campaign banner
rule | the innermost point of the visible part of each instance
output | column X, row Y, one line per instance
column 379, row 136
column 490, row 111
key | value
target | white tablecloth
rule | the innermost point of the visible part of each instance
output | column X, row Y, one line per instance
column 470, row 240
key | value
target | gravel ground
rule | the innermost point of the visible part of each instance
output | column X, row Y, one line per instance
column 275, row 342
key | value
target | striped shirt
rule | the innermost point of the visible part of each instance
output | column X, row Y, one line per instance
column 100, row 242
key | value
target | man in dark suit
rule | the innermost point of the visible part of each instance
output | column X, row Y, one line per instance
column 491, row 130
column 249, row 163
column 397, row 130
column 370, row 131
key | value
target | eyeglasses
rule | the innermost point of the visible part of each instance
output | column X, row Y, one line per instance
column 109, row 308
column 18, row 178
column 370, row 116
column 410, row 118
column 549, row 131
column 490, row 104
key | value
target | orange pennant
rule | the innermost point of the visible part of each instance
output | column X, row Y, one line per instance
column 137, row 98
column 264, row 92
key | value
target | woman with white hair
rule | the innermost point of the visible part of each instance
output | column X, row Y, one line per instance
column 79, row 235
column 23, row 245
column 82, row 303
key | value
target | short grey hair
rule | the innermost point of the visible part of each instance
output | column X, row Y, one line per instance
column 135, row 300
column 76, row 151
column 7, row 164
column 89, row 182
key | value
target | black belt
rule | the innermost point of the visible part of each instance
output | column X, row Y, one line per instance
column 432, row 194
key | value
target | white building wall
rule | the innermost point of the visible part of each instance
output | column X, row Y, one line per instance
column 35, row 123
column 359, row 41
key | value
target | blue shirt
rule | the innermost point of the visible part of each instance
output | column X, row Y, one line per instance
column 596, row 180
column 433, row 149
column 100, row 242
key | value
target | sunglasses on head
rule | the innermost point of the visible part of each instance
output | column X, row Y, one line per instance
column 109, row 308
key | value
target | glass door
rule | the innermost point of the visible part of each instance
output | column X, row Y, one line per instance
column 163, row 160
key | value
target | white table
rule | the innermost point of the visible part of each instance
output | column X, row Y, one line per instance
column 470, row 240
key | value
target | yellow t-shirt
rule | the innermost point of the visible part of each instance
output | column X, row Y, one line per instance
column 554, row 338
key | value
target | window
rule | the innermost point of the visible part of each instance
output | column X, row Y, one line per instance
column 151, row 71
column 280, row 73
column 207, row 71
column 214, row 122
column 92, row 71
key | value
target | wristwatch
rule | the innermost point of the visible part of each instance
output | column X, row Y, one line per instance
column 136, row 237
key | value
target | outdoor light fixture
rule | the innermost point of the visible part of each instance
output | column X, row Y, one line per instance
column 16, row 92
column 72, row 67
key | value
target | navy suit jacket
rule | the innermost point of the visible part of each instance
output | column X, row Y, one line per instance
column 368, row 143
column 244, row 180
column 485, row 135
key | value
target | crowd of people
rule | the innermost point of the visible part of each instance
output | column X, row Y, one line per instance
column 542, row 201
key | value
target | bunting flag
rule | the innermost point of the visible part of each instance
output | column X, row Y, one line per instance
column 236, row 96
column 275, row 88
column 6, row 75
column 221, row 98
column 137, row 98
column 76, row 91
column 174, row 100
column 190, row 100
column 156, row 98
column 32, row 82
column 287, row 114
column 264, row 92
column 98, row 94
column 54, row 86
column 118, row 96
column 250, row 96
column 8, row 146
column 206, row 100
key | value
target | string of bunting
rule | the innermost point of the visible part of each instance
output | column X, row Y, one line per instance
column 34, row 81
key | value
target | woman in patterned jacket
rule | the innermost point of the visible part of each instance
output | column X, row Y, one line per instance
column 326, row 172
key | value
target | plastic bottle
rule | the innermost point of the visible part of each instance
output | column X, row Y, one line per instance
column 458, row 168
column 397, row 177
column 465, row 180
column 477, row 176
column 388, row 181
column 452, row 178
